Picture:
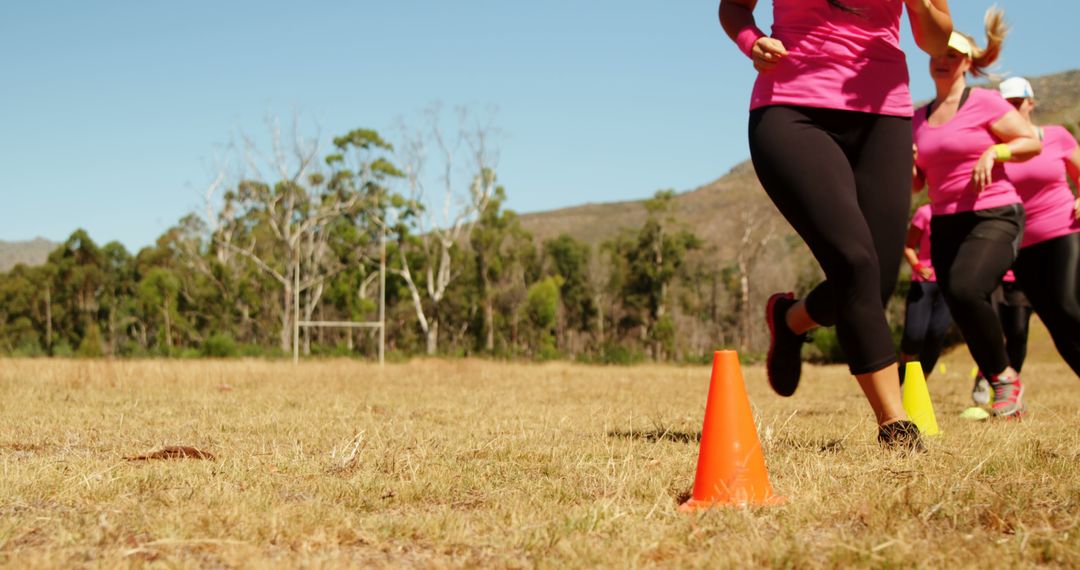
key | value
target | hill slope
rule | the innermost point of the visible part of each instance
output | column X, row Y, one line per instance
column 33, row 252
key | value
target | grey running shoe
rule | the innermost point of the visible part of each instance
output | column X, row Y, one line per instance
column 1008, row 397
column 980, row 392
column 784, row 362
column 901, row 436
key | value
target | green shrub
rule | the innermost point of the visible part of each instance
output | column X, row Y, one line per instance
column 825, row 348
column 91, row 346
column 62, row 349
column 28, row 348
column 615, row 353
column 219, row 345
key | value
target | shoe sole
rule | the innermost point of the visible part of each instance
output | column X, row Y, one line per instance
column 772, row 335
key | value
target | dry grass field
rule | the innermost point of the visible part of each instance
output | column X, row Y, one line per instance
column 478, row 464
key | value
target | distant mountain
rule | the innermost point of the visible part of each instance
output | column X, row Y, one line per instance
column 1057, row 99
column 712, row 211
column 33, row 252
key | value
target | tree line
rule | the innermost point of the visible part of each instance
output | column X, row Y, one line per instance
column 464, row 277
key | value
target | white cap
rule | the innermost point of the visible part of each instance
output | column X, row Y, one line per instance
column 1016, row 88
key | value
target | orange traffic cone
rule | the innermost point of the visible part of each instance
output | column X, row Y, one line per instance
column 731, row 467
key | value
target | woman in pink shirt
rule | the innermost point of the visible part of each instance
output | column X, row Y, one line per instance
column 963, row 138
column 830, row 139
column 926, row 317
column 1048, row 267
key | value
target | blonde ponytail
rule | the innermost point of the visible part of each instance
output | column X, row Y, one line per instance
column 983, row 58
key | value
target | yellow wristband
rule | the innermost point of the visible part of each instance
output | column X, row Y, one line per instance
column 1004, row 153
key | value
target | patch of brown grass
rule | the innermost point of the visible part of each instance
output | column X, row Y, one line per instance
column 469, row 463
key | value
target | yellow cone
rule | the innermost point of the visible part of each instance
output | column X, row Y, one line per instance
column 917, row 400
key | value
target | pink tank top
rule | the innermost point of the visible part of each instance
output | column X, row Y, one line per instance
column 921, row 220
column 838, row 60
column 1048, row 202
column 948, row 154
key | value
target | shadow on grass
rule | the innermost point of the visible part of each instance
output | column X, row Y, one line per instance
column 820, row 445
column 811, row 444
column 657, row 435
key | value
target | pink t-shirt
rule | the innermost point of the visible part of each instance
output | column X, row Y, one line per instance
column 1041, row 182
column 948, row 153
column 838, row 60
column 921, row 220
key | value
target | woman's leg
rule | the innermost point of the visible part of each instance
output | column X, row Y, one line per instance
column 971, row 256
column 882, row 176
column 1015, row 315
column 809, row 177
column 1049, row 273
column 919, row 308
column 940, row 319
column 971, row 253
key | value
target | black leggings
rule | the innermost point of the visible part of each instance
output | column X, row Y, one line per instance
column 1015, row 314
column 841, row 178
column 971, row 251
column 1049, row 273
column 926, row 321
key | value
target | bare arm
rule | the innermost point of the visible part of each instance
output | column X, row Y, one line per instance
column 911, row 249
column 1072, row 169
column 737, row 15
column 1072, row 166
column 1021, row 141
column 918, row 177
column 737, row 18
column 931, row 24
column 918, row 181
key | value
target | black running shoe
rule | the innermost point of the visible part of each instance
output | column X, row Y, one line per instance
column 784, row 363
column 901, row 436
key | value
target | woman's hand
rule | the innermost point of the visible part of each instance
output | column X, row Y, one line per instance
column 926, row 273
column 982, row 174
column 766, row 53
column 1076, row 209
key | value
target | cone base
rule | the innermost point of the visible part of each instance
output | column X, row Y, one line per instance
column 694, row 505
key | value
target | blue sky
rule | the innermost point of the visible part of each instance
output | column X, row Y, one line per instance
column 112, row 113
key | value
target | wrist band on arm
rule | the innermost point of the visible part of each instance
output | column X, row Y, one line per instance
column 917, row 267
column 1002, row 151
column 746, row 38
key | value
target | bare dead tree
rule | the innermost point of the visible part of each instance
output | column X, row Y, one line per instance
column 296, row 210
column 759, row 228
column 439, row 229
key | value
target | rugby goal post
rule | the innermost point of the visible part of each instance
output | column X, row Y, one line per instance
column 379, row 324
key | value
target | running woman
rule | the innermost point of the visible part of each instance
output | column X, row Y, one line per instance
column 926, row 318
column 830, row 139
column 1048, row 268
column 962, row 139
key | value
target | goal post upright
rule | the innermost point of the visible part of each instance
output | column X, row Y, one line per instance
column 379, row 324
column 382, row 296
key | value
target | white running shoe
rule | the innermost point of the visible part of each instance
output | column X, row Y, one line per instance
column 980, row 392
